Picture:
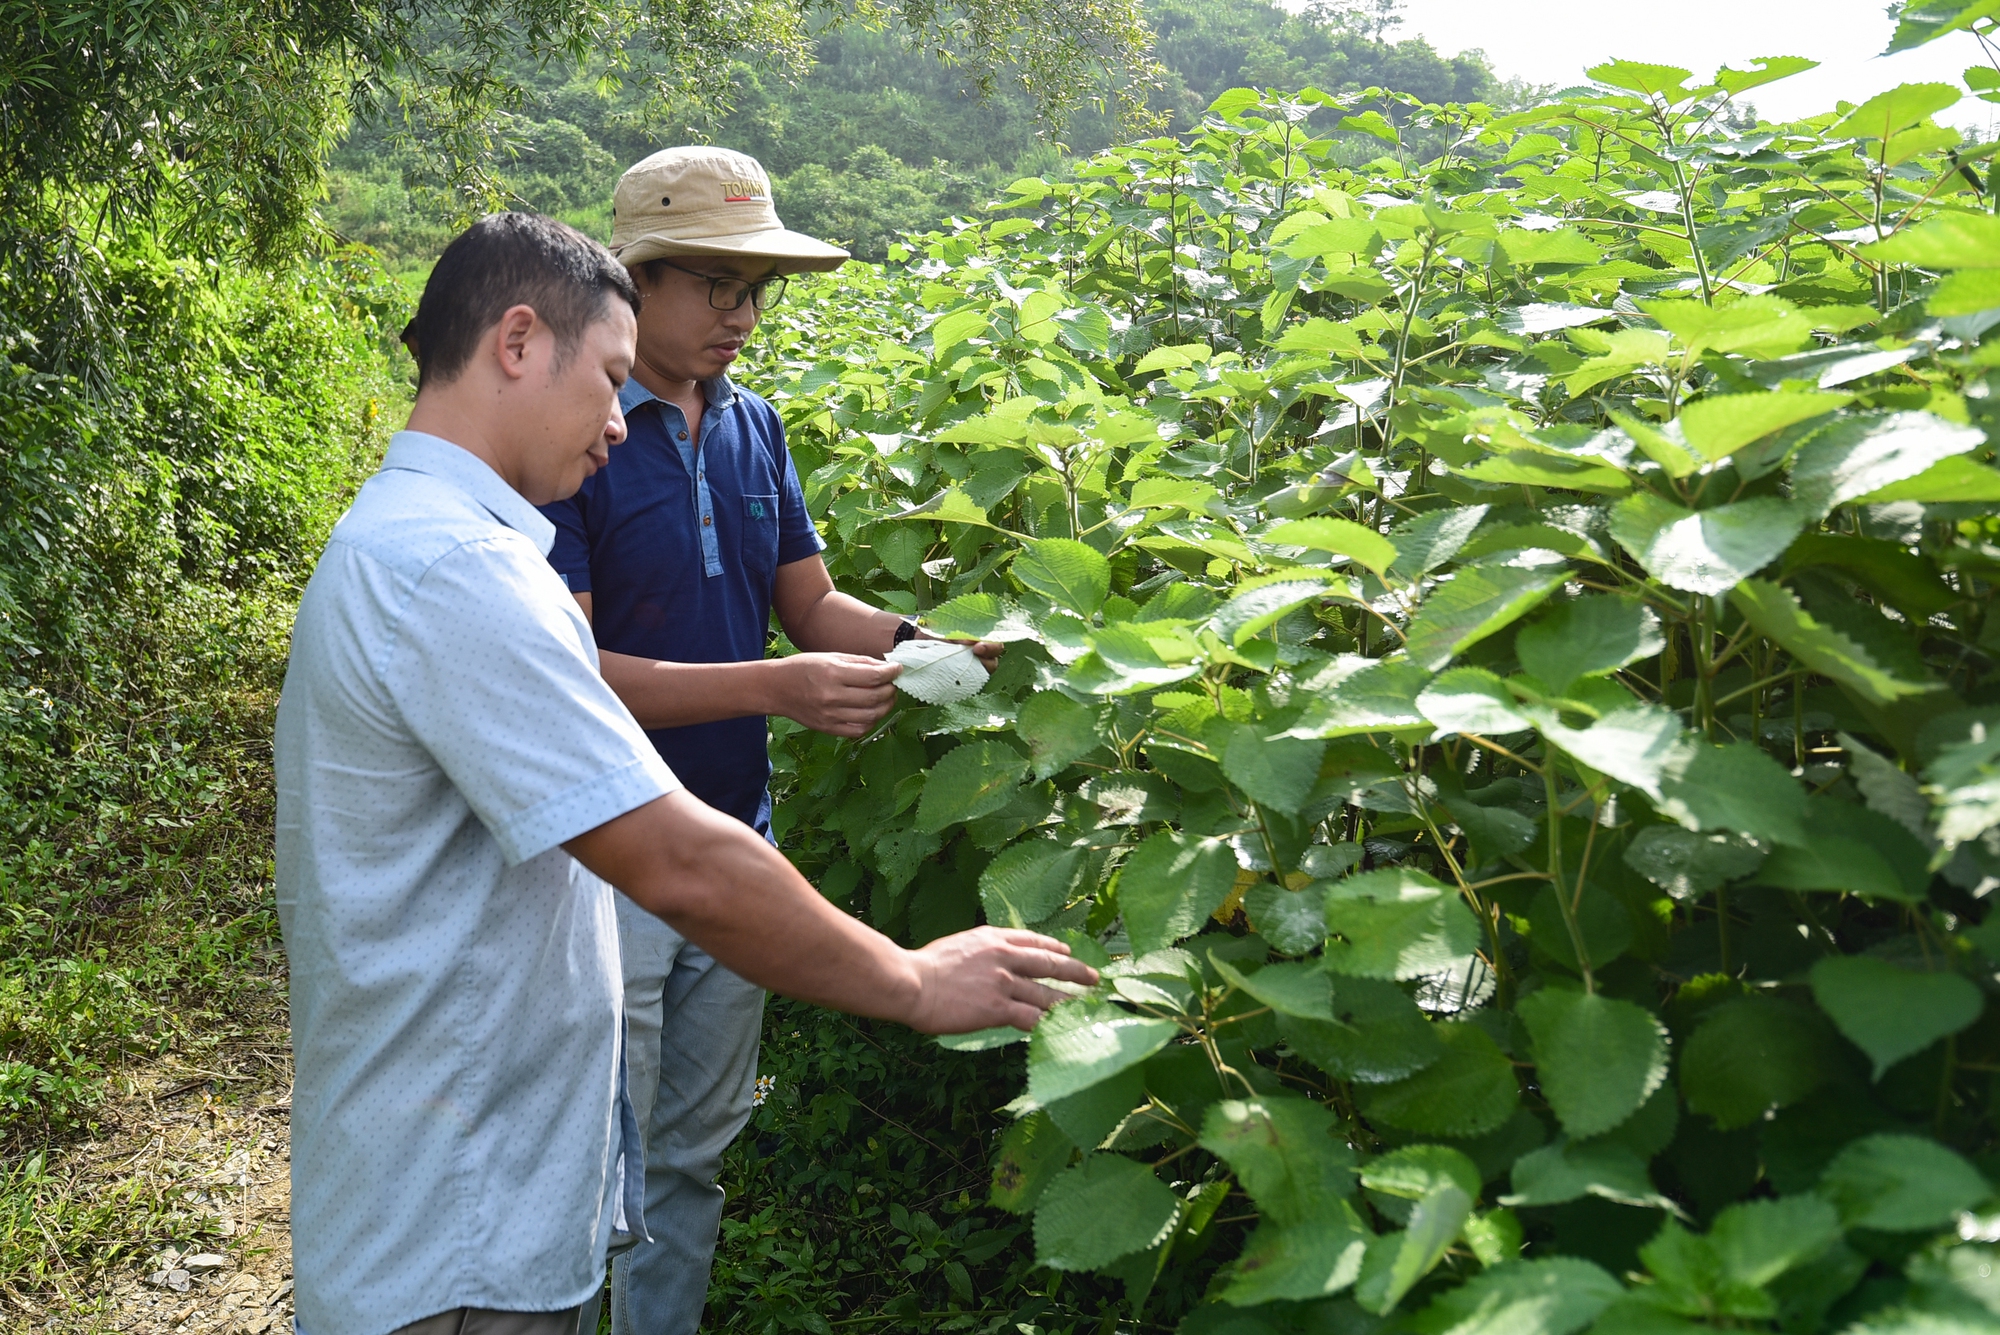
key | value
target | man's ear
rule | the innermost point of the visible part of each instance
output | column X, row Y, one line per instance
column 512, row 336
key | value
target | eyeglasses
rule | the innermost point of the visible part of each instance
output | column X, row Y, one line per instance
column 729, row 294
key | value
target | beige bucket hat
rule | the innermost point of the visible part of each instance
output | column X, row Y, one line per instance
column 707, row 201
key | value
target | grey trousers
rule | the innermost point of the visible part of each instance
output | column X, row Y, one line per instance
column 693, row 1028
column 480, row 1321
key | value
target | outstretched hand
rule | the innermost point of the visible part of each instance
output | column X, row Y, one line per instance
column 986, row 977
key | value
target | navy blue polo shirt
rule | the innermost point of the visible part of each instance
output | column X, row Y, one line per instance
column 678, row 544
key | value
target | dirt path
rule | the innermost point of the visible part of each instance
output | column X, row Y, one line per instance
column 209, row 1146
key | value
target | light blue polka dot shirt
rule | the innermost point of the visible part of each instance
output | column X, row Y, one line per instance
column 459, row 1124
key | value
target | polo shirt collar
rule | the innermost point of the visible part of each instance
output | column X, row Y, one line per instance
column 420, row 452
column 720, row 392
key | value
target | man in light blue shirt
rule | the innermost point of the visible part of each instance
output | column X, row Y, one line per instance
column 456, row 786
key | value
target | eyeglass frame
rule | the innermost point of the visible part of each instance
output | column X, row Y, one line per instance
column 751, row 287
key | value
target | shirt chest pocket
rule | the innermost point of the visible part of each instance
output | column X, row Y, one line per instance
column 760, row 534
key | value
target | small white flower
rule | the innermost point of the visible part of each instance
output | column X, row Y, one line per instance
column 765, row 1084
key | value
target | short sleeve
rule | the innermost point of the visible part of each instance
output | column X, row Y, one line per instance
column 491, row 671
column 797, row 538
column 571, row 554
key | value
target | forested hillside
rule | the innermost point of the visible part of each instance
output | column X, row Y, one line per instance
column 880, row 138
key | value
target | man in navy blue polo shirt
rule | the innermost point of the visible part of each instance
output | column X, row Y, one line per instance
column 679, row 550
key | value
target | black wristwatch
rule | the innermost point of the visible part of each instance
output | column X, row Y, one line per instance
column 906, row 631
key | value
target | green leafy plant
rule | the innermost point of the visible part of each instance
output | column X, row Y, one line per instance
column 1499, row 679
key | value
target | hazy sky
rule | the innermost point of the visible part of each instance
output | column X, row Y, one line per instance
column 1553, row 41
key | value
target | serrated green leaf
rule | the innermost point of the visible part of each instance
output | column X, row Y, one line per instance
column 1735, row 787
column 1089, row 1115
column 1028, row 882
column 1598, row 1058
column 973, row 780
column 1759, row 327
column 1106, row 1207
column 1942, row 241
column 1415, row 1171
column 1467, row 1092
column 1757, row 1241
column 1706, row 551
column 1779, row 616
column 1495, row 832
column 1564, row 245
column 1687, row 865
column 1396, row 1261
column 1357, row 695
column 1032, row 1152
column 1274, row 772
column 1900, row 1183
column 1397, row 923
column 1890, row 1012
column 1067, row 571
column 1298, row 1262
column 1471, row 700
column 1377, row 1034
column 1057, row 730
column 1170, row 885
column 979, row 616
column 1750, row 1056
column 1537, row 468
column 1719, row 426
column 1477, row 602
column 1897, row 109
column 1636, row 745
column 1254, row 610
column 1289, row 989
column 1433, row 538
column 1293, row 921
column 1588, row 637
column 1080, row 1043
column 1342, row 537
column 1556, row 1296
column 1287, row 1152
column 1860, row 455
column 1568, row 1170
column 1953, row 479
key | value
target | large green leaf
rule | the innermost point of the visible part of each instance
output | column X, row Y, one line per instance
column 1686, row 864
column 1859, row 455
column 973, row 780
column 1478, row 601
column 1890, row 1012
column 1598, row 1058
column 1753, row 326
column 1257, row 608
column 1750, row 1056
column 1556, row 1296
column 1471, row 700
column 1779, row 616
column 1734, row 787
column 1568, row 1170
column 1415, row 1171
column 1943, row 241
column 1636, row 745
column 979, row 616
column 1275, row 772
column 1357, row 695
column 1171, row 884
column 1396, row 1261
column 1342, row 537
column 1397, row 923
column 1082, row 1042
column 1709, row 551
column 1287, row 1152
column 1955, row 479
column 1106, row 1207
column 1066, row 571
column 1882, row 115
column 1057, row 730
column 1898, row 1182
column 1303, row 990
column 1757, row 1241
column 1467, row 1092
column 1433, row 538
column 1722, row 424
column 1032, row 1152
column 1587, row 637
column 1028, row 882
column 1299, row 1262
column 1377, row 1034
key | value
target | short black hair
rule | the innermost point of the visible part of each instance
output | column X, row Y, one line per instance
column 506, row 260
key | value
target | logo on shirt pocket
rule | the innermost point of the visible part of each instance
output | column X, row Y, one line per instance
column 760, row 534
